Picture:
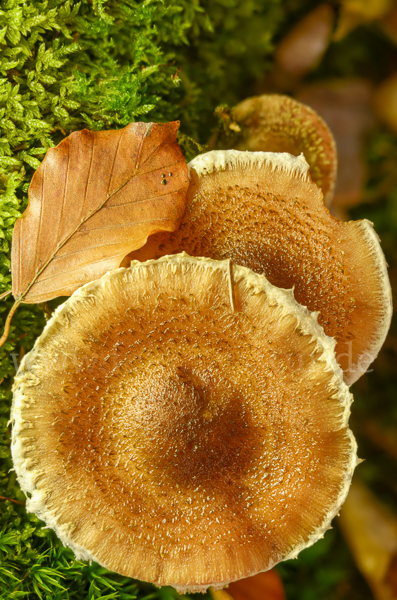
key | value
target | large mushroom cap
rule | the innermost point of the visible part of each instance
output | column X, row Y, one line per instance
column 261, row 210
column 174, row 439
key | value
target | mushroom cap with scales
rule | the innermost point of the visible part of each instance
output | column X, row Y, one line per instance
column 278, row 123
column 183, row 422
column 261, row 210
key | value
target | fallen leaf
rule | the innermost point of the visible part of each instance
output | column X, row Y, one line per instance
column 264, row 586
column 358, row 12
column 370, row 531
column 94, row 198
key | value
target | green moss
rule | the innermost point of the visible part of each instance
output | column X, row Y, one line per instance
column 68, row 65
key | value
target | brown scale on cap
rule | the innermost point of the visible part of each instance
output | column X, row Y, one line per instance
column 176, row 440
column 262, row 211
column 277, row 123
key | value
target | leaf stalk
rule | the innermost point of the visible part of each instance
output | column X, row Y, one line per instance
column 12, row 500
column 7, row 324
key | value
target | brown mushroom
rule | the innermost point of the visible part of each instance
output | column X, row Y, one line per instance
column 262, row 211
column 277, row 123
column 183, row 422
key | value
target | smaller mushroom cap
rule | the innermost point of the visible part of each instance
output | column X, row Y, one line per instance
column 183, row 422
column 261, row 210
column 277, row 123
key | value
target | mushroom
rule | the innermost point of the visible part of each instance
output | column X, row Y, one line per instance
column 261, row 210
column 183, row 422
column 278, row 123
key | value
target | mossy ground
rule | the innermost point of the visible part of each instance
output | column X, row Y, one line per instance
column 67, row 65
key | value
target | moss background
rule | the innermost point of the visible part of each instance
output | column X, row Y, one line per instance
column 67, row 65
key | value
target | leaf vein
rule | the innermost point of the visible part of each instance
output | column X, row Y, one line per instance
column 86, row 183
column 41, row 217
column 86, row 248
column 132, row 203
column 63, row 197
column 79, row 267
column 114, row 162
column 153, row 153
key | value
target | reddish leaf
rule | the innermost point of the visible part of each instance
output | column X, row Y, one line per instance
column 96, row 197
column 264, row 586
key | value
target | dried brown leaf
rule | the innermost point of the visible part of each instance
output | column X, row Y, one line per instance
column 370, row 530
column 96, row 197
column 358, row 12
column 264, row 585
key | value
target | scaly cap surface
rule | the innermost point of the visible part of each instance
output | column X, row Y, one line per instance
column 261, row 210
column 177, row 436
